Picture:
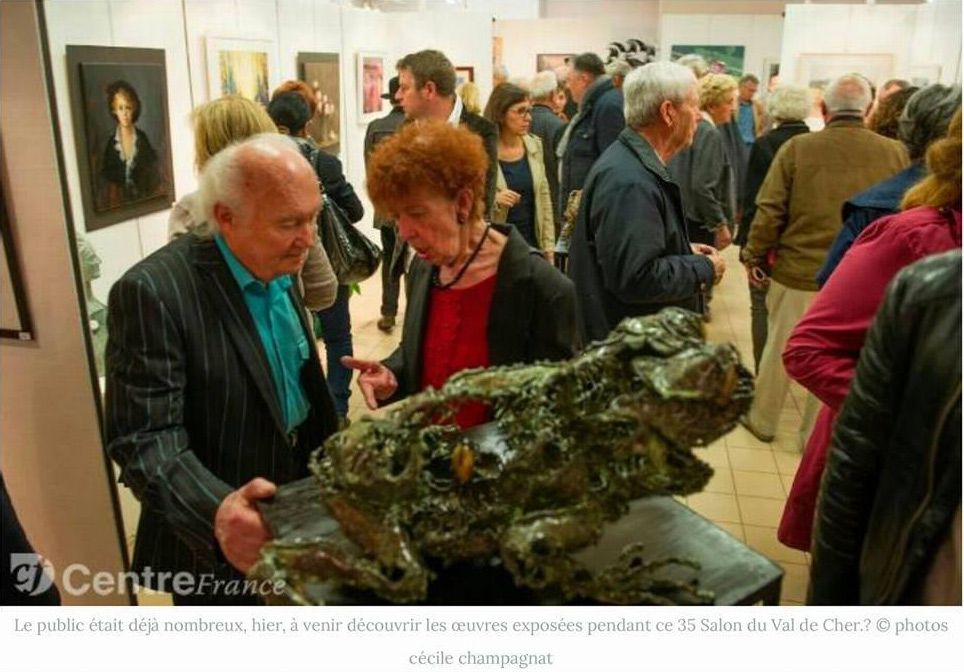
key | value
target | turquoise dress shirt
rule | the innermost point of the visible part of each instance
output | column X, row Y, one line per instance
column 282, row 335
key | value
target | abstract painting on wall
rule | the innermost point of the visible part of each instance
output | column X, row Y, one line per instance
column 118, row 101
column 724, row 59
column 321, row 72
column 240, row 67
column 371, row 85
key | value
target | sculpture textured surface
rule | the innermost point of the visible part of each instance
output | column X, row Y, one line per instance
column 579, row 440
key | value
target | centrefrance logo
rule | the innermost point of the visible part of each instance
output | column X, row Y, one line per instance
column 32, row 573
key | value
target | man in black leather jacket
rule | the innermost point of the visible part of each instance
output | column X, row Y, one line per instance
column 889, row 516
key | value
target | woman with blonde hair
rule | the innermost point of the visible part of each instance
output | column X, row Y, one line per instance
column 522, row 195
column 478, row 295
column 471, row 98
column 217, row 124
column 223, row 122
column 823, row 349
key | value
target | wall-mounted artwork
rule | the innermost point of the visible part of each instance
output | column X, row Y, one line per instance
column 14, row 315
column 818, row 70
column 463, row 74
column 371, row 85
column 924, row 75
column 118, row 101
column 723, row 59
column 322, row 73
column 551, row 61
column 242, row 67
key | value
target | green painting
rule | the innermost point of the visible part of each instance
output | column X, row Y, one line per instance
column 719, row 58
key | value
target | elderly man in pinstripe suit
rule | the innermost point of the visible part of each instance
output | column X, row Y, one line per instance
column 215, row 392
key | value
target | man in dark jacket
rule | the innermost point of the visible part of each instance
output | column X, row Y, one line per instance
column 630, row 254
column 377, row 131
column 596, row 126
column 547, row 125
column 889, row 516
column 426, row 90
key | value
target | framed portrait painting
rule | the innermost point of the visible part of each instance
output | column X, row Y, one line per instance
column 118, row 101
column 463, row 74
column 240, row 66
column 371, row 85
column 323, row 75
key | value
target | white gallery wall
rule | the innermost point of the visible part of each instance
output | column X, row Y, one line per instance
column 292, row 26
column 523, row 39
column 918, row 37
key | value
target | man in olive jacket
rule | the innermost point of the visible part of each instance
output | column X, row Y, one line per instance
column 797, row 219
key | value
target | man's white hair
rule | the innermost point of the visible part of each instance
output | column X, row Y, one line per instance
column 619, row 67
column 223, row 177
column 543, row 85
column 850, row 93
column 646, row 87
column 789, row 103
column 696, row 63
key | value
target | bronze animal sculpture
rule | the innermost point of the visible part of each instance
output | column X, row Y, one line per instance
column 580, row 439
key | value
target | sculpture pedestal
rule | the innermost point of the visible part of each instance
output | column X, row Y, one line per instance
column 733, row 572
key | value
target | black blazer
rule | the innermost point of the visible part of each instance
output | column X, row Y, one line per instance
column 489, row 133
column 532, row 317
column 192, row 412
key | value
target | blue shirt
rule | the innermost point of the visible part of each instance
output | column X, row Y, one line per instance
column 745, row 123
column 281, row 335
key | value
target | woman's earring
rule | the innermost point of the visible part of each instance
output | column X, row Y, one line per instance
column 460, row 218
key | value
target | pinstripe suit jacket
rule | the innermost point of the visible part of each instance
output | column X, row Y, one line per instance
column 192, row 412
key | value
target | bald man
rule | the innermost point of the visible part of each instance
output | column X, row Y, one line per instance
column 215, row 393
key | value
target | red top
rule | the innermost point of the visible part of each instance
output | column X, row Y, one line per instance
column 456, row 338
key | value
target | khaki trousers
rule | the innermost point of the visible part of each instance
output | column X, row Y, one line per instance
column 785, row 307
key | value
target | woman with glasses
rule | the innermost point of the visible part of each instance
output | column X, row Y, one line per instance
column 522, row 196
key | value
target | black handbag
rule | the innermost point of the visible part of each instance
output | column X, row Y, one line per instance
column 353, row 256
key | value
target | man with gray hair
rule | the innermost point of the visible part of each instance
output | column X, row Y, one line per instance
column 215, row 393
column 797, row 218
column 925, row 118
column 547, row 125
column 630, row 254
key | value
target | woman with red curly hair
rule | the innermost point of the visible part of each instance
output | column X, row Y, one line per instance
column 478, row 295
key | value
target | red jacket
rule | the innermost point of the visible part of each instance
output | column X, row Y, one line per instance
column 822, row 351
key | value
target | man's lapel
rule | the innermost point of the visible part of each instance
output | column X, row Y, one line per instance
column 226, row 299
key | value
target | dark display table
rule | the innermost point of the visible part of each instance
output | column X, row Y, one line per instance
column 734, row 573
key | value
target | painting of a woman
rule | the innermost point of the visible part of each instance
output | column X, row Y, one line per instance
column 129, row 166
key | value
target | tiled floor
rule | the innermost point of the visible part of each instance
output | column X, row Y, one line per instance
column 747, row 493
